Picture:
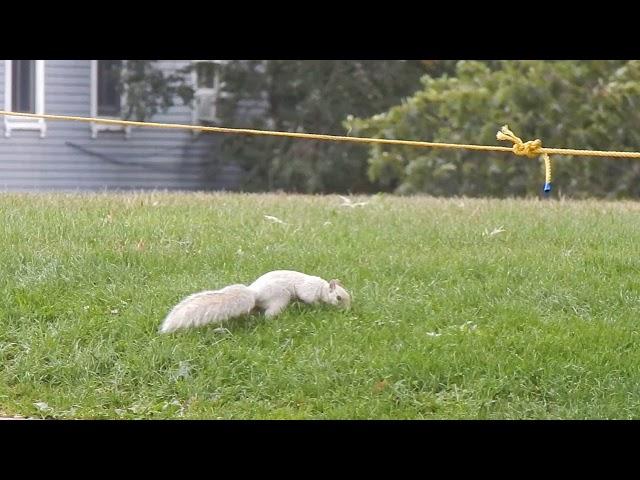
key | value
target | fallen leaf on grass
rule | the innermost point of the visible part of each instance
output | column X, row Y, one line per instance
column 380, row 386
column 347, row 202
column 274, row 219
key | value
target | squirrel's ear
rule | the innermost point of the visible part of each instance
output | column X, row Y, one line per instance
column 332, row 285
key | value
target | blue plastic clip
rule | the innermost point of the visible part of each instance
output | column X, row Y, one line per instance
column 546, row 189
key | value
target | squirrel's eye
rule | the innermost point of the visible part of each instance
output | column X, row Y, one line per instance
column 339, row 297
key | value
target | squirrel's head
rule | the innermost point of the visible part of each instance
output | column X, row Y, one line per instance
column 338, row 295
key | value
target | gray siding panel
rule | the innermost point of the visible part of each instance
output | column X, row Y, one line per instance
column 161, row 158
column 2, row 84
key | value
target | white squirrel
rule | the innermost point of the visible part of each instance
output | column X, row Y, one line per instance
column 272, row 292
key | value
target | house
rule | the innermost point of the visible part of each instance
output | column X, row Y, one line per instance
column 37, row 154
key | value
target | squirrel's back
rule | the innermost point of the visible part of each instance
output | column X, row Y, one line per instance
column 283, row 277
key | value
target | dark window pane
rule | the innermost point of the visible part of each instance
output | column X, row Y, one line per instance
column 23, row 86
column 206, row 74
column 108, row 88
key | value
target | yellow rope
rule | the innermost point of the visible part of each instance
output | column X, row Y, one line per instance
column 530, row 149
column 248, row 131
column 547, row 168
column 338, row 138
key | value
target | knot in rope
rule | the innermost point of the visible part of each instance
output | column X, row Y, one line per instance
column 530, row 149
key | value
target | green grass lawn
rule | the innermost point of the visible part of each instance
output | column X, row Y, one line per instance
column 461, row 308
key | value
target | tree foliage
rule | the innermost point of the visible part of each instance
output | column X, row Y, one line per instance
column 567, row 104
column 312, row 96
column 572, row 104
column 285, row 95
column 149, row 90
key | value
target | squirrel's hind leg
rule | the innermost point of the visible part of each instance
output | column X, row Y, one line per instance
column 275, row 307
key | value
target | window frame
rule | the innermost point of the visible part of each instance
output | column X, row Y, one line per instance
column 100, row 127
column 215, row 89
column 24, row 123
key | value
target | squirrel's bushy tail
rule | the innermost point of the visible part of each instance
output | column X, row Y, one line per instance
column 213, row 306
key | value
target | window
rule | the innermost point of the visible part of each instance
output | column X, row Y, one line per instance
column 106, row 96
column 109, row 99
column 23, row 86
column 24, row 93
column 206, row 75
column 209, row 86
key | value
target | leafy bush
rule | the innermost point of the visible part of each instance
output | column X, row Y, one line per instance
column 567, row 104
